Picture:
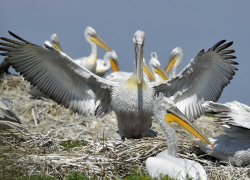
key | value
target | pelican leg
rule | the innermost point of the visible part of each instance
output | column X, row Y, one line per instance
column 123, row 138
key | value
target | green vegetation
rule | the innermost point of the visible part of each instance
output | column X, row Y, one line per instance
column 210, row 115
column 72, row 144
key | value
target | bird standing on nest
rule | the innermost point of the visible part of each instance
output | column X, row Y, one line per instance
column 64, row 81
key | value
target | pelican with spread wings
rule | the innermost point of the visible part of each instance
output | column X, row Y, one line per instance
column 64, row 81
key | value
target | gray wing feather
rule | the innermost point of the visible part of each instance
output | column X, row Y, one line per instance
column 233, row 113
column 59, row 77
column 203, row 79
column 8, row 119
column 234, row 146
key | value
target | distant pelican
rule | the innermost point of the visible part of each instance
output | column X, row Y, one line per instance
column 54, row 41
column 102, row 66
column 109, row 61
column 167, row 162
column 59, row 77
column 174, row 61
column 8, row 119
column 122, row 76
column 155, row 67
column 234, row 146
column 93, row 39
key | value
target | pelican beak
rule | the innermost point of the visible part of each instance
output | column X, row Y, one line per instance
column 172, row 60
column 160, row 71
column 114, row 65
column 147, row 71
column 99, row 42
column 57, row 46
column 139, row 60
column 175, row 115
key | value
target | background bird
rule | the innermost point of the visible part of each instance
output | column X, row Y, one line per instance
column 156, row 68
column 174, row 61
column 233, row 146
column 122, row 76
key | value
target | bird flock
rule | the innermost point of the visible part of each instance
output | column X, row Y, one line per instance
column 135, row 97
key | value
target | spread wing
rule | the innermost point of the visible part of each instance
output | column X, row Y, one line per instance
column 203, row 79
column 232, row 113
column 59, row 77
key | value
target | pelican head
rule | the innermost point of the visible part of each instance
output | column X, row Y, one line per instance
column 138, row 42
column 173, row 114
column 113, row 59
column 92, row 37
column 55, row 42
column 174, row 60
column 156, row 66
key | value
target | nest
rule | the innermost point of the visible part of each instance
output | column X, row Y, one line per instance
column 59, row 141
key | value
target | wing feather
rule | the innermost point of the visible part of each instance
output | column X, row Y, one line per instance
column 58, row 76
column 203, row 79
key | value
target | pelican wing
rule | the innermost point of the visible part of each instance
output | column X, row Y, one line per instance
column 233, row 113
column 59, row 77
column 202, row 80
column 7, row 114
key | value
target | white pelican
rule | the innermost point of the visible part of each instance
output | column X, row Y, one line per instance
column 8, row 119
column 167, row 162
column 155, row 67
column 109, row 61
column 102, row 66
column 234, row 146
column 121, row 76
column 174, row 61
column 59, row 77
column 93, row 39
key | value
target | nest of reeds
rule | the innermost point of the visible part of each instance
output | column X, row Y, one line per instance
column 59, row 141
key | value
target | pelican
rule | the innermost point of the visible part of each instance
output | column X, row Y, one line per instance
column 102, row 66
column 174, row 61
column 64, row 81
column 109, row 61
column 167, row 162
column 93, row 39
column 234, row 146
column 122, row 76
column 155, row 67
column 8, row 119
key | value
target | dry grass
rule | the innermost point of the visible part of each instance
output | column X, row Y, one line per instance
column 102, row 156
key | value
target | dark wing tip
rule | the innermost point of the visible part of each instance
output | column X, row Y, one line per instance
column 217, row 45
column 16, row 36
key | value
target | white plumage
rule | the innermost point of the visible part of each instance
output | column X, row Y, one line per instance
column 93, row 39
column 174, row 61
column 155, row 66
column 167, row 162
column 234, row 146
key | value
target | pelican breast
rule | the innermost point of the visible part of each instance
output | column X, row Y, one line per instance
column 133, row 107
